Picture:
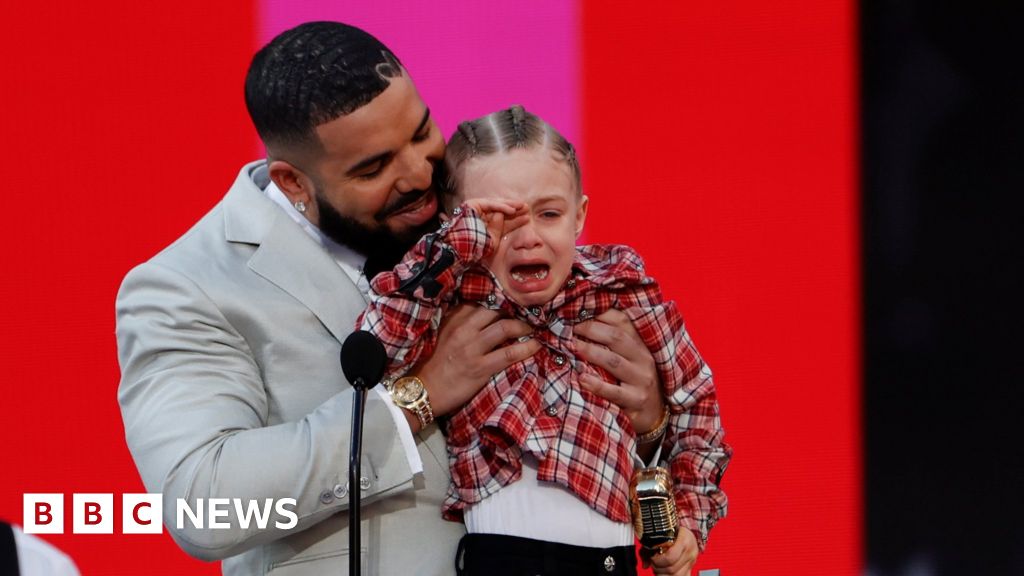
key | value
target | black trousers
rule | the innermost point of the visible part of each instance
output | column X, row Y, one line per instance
column 497, row 555
column 8, row 551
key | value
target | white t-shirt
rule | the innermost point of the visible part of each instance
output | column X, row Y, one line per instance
column 37, row 557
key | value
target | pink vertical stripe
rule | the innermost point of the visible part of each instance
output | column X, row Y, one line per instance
column 467, row 58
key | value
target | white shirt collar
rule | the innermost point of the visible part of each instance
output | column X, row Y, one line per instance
column 350, row 261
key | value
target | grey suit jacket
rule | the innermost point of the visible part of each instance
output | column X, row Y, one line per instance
column 231, row 387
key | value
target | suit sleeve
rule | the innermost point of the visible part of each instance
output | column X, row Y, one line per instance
column 195, row 411
column 407, row 304
column 693, row 447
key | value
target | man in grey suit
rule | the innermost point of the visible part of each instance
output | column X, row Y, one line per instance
column 229, row 338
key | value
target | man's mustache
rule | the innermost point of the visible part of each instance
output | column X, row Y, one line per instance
column 403, row 202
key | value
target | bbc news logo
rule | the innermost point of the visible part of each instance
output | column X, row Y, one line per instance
column 143, row 513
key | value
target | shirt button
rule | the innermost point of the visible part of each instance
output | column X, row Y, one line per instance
column 491, row 299
column 364, row 483
column 457, row 211
column 327, row 497
column 535, row 310
column 560, row 360
column 552, row 411
column 340, row 491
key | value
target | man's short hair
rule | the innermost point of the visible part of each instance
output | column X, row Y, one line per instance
column 311, row 74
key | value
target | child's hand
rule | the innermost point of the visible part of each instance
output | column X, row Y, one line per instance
column 678, row 559
column 501, row 216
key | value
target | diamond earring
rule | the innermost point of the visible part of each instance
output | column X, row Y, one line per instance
column 300, row 206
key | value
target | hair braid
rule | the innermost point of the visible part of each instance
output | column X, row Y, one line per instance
column 466, row 129
column 518, row 115
column 499, row 133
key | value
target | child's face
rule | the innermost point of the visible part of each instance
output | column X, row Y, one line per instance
column 532, row 262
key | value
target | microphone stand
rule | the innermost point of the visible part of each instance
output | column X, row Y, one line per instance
column 354, row 473
column 363, row 359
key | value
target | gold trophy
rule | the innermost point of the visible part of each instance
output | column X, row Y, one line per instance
column 654, row 509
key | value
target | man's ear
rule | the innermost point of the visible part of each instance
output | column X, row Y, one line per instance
column 297, row 187
column 581, row 214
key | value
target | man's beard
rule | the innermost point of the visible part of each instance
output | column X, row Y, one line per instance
column 382, row 247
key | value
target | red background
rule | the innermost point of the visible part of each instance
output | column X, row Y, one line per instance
column 719, row 139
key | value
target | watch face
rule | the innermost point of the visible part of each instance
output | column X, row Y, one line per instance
column 407, row 391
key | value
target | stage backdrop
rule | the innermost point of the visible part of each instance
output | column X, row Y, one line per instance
column 717, row 138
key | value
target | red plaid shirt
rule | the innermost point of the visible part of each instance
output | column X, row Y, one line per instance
column 581, row 441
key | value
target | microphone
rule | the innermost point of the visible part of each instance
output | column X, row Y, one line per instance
column 363, row 360
column 654, row 509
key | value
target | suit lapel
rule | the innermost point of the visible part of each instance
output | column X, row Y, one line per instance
column 289, row 258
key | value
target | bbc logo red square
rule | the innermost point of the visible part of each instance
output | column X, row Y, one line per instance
column 43, row 513
column 93, row 514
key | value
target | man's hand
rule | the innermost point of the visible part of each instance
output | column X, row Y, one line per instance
column 470, row 349
column 678, row 560
column 615, row 345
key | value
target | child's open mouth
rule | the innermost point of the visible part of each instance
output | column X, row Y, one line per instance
column 527, row 272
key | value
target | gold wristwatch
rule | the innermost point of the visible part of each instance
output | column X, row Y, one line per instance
column 409, row 392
